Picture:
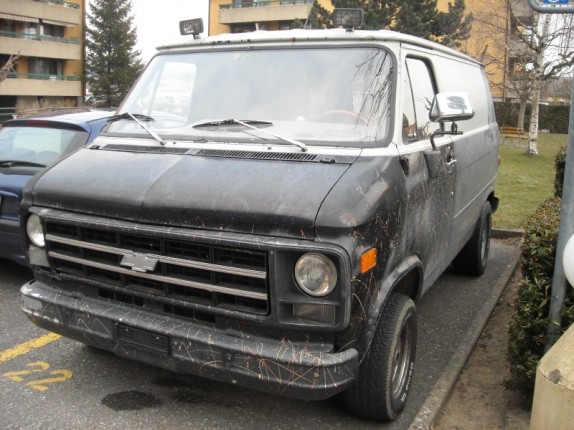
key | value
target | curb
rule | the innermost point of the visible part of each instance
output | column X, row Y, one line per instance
column 442, row 389
column 499, row 233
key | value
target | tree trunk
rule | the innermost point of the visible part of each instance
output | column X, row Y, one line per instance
column 537, row 85
column 521, row 113
column 533, row 131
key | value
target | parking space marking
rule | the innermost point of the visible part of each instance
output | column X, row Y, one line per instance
column 28, row 346
column 40, row 367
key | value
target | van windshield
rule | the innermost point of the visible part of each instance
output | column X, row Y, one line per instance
column 331, row 96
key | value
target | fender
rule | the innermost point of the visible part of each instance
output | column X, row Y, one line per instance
column 390, row 283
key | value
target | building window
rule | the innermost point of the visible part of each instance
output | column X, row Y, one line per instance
column 30, row 30
column 244, row 28
column 53, row 30
column 44, row 68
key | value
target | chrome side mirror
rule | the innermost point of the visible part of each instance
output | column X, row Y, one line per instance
column 451, row 107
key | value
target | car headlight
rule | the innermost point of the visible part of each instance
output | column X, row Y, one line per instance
column 315, row 274
column 35, row 231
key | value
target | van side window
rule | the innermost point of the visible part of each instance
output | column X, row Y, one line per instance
column 418, row 94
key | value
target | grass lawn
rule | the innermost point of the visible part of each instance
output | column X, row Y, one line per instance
column 524, row 181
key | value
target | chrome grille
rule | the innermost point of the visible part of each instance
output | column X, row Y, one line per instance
column 136, row 266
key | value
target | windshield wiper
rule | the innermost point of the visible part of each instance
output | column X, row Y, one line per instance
column 127, row 115
column 12, row 163
column 137, row 117
column 251, row 124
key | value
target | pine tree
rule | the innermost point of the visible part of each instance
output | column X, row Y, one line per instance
column 319, row 17
column 112, row 63
column 379, row 14
column 416, row 17
column 452, row 27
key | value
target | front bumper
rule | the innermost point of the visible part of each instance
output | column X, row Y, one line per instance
column 296, row 369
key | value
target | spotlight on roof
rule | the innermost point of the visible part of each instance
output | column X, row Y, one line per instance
column 348, row 18
column 191, row 26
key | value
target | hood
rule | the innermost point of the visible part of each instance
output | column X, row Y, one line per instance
column 262, row 196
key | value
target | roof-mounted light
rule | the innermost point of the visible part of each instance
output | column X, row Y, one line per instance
column 191, row 26
column 348, row 18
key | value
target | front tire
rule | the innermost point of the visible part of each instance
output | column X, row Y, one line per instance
column 473, row 258
column 385, row 374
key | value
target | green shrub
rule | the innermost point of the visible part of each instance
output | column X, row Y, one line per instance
column 539, row 244
column 527, row 331
column 527, row 335
column 560, row 165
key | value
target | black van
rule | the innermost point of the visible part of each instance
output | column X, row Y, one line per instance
column 266, row 208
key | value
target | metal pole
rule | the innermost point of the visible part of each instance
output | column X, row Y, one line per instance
column 565, row 230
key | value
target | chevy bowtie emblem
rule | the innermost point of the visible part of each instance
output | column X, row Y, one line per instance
column 139, row 262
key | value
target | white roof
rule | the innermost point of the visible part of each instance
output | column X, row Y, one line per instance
column 331, row 35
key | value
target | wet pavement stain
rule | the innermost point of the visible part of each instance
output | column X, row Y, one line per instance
column 130, row 401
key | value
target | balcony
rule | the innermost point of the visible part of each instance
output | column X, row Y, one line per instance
column 32, row 45
column 264, row 11
column 60, row 12
column 37, row 84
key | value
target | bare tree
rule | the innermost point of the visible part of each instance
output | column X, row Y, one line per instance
column 8, row 66
column 537, row 48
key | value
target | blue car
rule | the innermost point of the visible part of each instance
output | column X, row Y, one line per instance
column 27, row 145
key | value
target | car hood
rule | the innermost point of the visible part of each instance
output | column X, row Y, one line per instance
column 261, row 196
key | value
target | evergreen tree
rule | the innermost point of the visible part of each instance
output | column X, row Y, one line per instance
column 319, row 17
column 379, row 14
column 417, row 17
column 452, row 27
column 112, row 63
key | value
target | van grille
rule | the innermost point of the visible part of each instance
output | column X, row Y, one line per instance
column 135, row 267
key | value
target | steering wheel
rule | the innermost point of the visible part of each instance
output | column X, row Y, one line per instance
column 343, row 113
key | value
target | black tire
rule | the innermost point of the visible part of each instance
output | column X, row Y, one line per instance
column 473, row 258
column 385, row 374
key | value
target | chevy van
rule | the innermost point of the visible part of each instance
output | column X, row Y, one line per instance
column 266, row 208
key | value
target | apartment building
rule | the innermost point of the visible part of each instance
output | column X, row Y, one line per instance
column 237, row 16
column 48, row 37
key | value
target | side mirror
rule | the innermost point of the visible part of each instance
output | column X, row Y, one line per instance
column 451, row 107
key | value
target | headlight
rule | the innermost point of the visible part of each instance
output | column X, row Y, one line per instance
column 315, row 274
column 35, row 231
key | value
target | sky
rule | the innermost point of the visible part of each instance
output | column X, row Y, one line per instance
column 157, row 22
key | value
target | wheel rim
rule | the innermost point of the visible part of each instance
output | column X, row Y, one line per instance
column 401, row 360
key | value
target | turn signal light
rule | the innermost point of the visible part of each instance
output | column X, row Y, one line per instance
column 368, row 260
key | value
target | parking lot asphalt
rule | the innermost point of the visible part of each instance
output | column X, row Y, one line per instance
column 451, row 317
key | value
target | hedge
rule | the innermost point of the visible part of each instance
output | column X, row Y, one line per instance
column 553, row 118
column 527, row 331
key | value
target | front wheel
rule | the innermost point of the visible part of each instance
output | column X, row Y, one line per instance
column 385, row 374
